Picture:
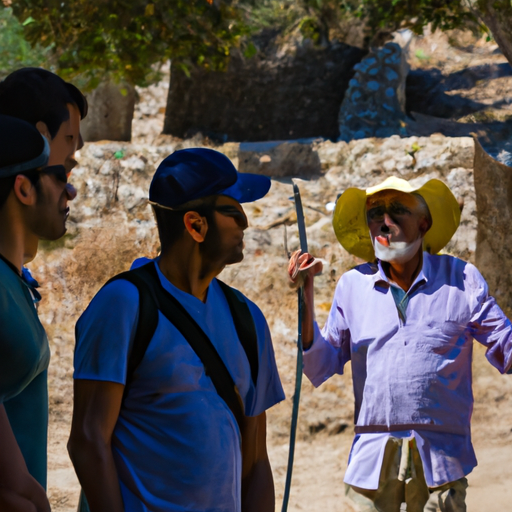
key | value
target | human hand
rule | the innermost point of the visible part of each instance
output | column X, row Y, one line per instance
column 301, row 266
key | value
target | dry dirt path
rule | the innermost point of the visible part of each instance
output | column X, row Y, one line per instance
column 318, row 471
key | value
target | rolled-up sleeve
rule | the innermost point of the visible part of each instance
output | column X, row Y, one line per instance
column 489, row 325
column 330, row 350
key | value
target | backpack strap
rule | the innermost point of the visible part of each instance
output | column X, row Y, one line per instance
column 244, row 325
column 153, row 298
column 146, row 324
column 198, row 340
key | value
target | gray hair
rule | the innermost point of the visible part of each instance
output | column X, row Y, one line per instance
column 422, row 207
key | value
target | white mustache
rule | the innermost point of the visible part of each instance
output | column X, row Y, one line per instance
column 397, row 252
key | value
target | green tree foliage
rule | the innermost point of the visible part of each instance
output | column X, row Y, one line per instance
column 271, row 14
column 320, row 21
column 494, row 16
column 123, row 39
column 15, row 51
column 381, row 17
column 325, row 18
column 390, row 15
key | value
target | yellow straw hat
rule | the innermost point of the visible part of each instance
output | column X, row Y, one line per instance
column 351, row 227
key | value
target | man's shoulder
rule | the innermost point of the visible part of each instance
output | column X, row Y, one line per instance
column 113, row 298
column 449, row 265
column 363, row 271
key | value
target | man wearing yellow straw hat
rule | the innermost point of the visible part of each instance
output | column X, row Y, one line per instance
column 406, row 320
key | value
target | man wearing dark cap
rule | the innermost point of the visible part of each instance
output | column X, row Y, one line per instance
column 33, row 206
column 163, row 434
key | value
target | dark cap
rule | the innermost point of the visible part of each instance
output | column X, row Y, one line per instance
column 23, row 148
column 190, row 174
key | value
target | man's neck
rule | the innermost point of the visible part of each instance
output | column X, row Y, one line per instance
column 16, row 245
column 404, row 274
column 186, row 269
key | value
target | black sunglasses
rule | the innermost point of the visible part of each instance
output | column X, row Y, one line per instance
column 394, row 210
column 59, row 171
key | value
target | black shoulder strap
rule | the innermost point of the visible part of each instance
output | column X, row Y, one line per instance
column 146, row 324
column 153, row 297
column 244, row 325
column 198, row 340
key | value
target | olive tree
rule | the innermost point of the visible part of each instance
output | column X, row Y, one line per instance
column 492, row 15
column 125, row 42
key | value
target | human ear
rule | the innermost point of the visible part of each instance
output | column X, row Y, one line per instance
column 425, row 225
column 24, row 190
column 43, row 130
column 196, row 226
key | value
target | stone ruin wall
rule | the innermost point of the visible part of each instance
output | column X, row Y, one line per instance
column 289, row 96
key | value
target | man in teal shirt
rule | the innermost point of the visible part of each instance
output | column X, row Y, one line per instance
column 53, row 108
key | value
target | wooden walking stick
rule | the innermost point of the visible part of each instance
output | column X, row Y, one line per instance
column 298, row 375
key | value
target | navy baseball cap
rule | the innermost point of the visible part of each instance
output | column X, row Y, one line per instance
column 23, row 147
column 190, row 174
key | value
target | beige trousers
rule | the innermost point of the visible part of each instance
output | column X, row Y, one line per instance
column 402, row 485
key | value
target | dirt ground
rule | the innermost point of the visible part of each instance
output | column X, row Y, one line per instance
column 320, row 459
column 325, row 427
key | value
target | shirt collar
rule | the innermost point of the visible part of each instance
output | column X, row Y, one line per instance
column 381, row 280
column 10, row 265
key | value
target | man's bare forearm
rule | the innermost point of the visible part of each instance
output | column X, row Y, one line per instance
column 258, row 489
column 258, row 493
column 96, row 471
column 95, row 413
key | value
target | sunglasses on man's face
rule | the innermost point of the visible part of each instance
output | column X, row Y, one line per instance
column 394, row 210
column 231, row 211
column 59, row 171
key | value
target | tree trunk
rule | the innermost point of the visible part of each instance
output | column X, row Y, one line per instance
column 110, row 115
column 493, row 187
column 497, row 15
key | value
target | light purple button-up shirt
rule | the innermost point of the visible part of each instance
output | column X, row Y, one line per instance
column 412, row 373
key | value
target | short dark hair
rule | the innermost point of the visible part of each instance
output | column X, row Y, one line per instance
column 170, row 222
column 35, row 94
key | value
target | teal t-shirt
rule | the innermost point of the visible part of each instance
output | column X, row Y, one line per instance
column 24, row 358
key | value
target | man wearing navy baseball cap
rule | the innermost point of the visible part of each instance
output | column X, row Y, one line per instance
column 174, row 370
column 33, row 206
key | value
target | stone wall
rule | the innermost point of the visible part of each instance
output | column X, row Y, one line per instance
column 284, row 97
column 493, row 184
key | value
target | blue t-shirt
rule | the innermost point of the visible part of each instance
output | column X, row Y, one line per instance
column 24, row 359
column 176, row 443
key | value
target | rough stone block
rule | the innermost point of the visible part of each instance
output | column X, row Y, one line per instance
column 493, row 186
column 279, row 158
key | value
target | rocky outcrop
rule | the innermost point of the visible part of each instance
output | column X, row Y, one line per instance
column 493, row 185
column 279, row 158
column 278, row 97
